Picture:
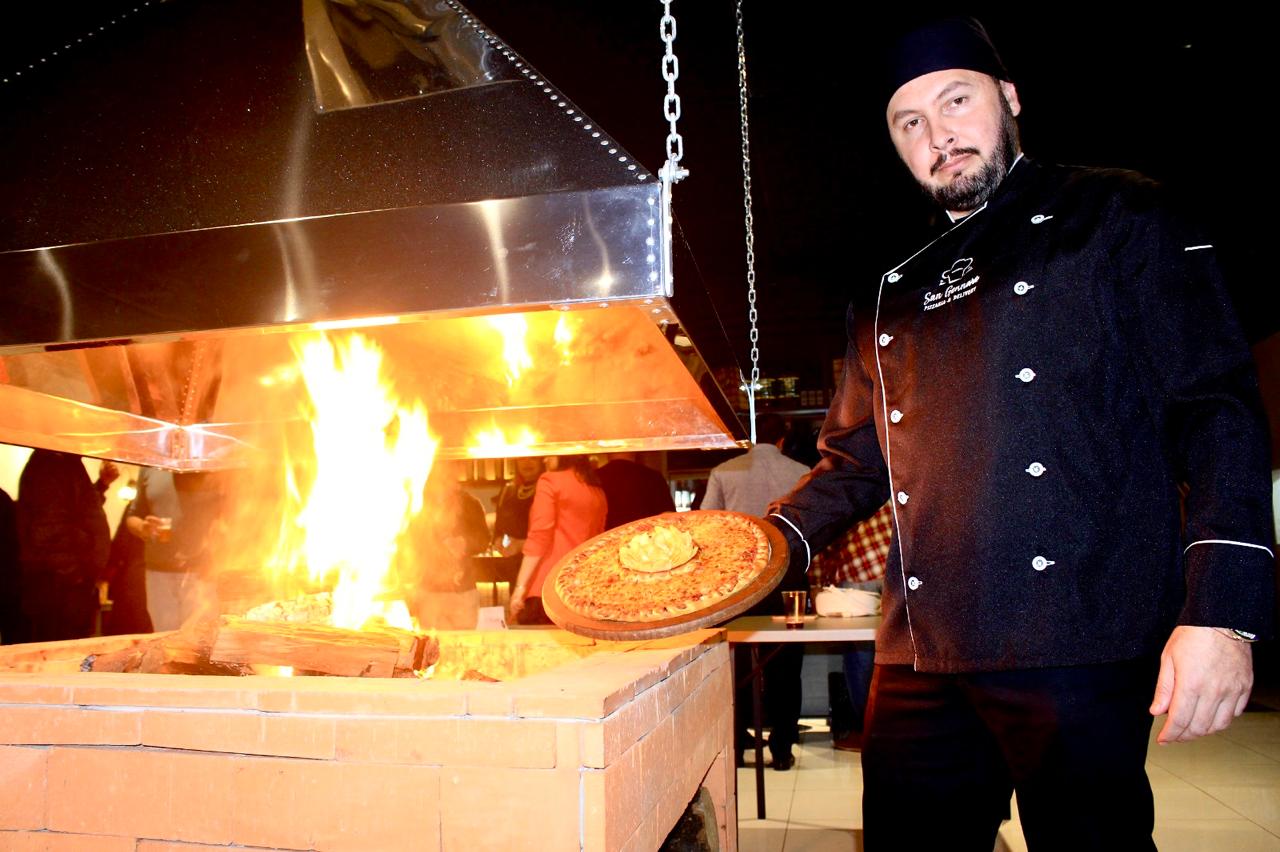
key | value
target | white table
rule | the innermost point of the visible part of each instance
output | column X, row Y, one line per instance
column 755, row 630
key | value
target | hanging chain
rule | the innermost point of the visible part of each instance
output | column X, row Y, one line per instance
column 752, row 315
column 671, row 103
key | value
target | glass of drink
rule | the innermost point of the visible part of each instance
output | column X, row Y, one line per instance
column 793, row 609
column 164, row 529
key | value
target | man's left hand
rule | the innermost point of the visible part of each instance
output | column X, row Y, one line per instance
column 107, row 474
column 1204, row 683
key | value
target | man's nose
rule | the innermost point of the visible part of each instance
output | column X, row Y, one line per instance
column 942, row 139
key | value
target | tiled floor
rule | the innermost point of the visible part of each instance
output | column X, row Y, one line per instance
column 1218, row 793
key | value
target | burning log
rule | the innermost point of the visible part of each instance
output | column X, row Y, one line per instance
column 231, row 645
column 379, row 652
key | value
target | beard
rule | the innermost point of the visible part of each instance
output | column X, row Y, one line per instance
column 971, row 191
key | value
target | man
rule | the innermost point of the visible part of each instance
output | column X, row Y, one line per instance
column 746, row 484
column 12, row 624
column 63, row 540
column 1031, row 389
column 175, row 514
column 437, row 552
column 634, row 490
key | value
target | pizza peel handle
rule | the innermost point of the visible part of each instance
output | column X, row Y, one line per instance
column 765, row 579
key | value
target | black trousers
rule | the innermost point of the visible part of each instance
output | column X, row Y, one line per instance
column 58, row 607
column 782, row 695
column 943, row 752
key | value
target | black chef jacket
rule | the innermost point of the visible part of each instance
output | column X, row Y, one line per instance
column 1030, row 389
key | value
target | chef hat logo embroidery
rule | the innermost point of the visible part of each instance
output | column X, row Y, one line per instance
column 957, row 272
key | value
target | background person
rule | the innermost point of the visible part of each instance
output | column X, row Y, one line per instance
column 746, row 484
column 64, row 540
column 569, row 507
column 634, row 490
column 175, row 514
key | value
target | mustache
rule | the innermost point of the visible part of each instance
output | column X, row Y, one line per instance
column 954, row 152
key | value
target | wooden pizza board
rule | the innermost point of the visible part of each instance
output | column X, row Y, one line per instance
column 723, row 610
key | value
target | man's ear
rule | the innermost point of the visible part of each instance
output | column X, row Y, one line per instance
column 1010, row 93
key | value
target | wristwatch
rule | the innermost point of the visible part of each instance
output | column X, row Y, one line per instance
column 1238, row 635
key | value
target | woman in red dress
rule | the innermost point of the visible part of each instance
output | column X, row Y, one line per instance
column 569, row 507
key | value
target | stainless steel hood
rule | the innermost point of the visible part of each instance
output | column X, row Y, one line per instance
column 204, row 183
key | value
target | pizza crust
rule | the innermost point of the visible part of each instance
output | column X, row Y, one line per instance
column 599, row 581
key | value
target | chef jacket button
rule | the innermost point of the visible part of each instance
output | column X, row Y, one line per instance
column 1040, row 217
column 1035, row 469
column 903, row 497
column 894, row 277
column 1026, row 374
column 885, row 338
column 913, row 583
column 895, row 416
column 1022, row 288
column 1040, row 563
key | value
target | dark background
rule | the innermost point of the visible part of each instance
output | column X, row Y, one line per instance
column 1180, row 96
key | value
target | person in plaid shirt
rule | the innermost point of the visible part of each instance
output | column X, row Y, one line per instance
column 859, row 556
column 857, row 560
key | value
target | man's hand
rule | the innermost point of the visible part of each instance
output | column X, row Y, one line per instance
column 1205, row 678
column 107, row 474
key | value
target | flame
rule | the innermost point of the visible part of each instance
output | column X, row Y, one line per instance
column 563, row 337
column 513, row 328
column 494, row 443
column 362, row 486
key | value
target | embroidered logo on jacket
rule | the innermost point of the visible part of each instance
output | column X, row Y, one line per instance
column 954, row 285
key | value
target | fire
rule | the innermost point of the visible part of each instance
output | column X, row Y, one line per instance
column 494, row 443
column 563, row 337
column 513, row 328
column 362, row 484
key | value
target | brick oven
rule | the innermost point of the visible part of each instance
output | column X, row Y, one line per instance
column 582, row 745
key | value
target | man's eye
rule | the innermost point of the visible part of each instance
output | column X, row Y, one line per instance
column 959, row 100
column 912, row 124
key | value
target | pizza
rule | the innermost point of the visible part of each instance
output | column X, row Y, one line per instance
column 662, row 567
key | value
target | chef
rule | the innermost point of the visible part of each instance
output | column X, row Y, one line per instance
column 1034, row 391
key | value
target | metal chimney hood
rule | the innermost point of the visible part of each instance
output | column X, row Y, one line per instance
column 193, row 190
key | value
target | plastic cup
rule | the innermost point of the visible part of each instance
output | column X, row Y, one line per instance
column 793, row 609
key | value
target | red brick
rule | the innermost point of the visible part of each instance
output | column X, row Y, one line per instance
column 561, row 702
column 241, row 733
column 659, row 758
column 49, row 841
column 491, row 699
column 339, row 807
column 141, row 793
column 167, row 846
column 34, row 689
column 110, row 689
column 613, row 799
column 510, row 809
column 569, row 745
column 23, row 780
column 467, row 742
column 376, row 740
column 719, row 783
column 364, row 696
column 646, row 836
column 669, row 693
column 30, row 724
column 523, row 743
column 591, row 740
column 633, row 721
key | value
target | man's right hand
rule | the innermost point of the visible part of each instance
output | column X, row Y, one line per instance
column 1204, row 683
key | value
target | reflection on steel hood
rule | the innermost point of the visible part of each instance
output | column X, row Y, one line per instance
column 187, row 195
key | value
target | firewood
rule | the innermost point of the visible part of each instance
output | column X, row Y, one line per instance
column 378, row 652
column 232, row 646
